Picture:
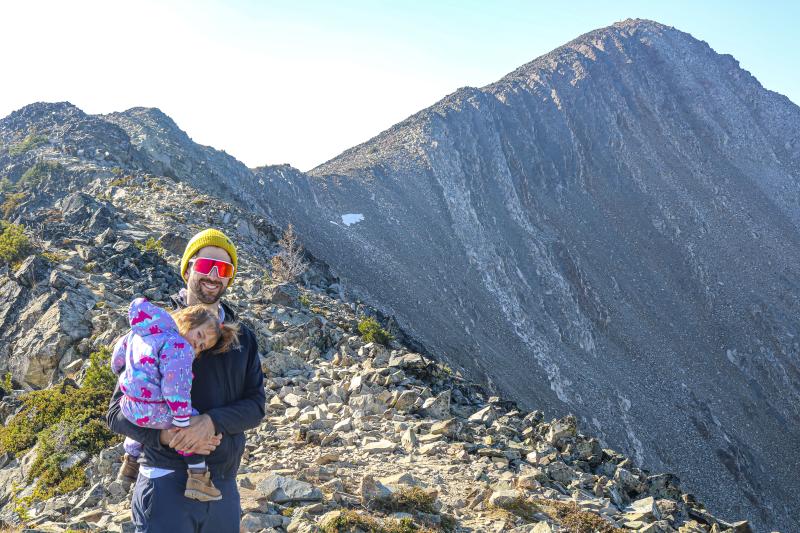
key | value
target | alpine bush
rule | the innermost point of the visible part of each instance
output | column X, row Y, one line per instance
column 63, row 421
column 371, row 331
column 14, row 244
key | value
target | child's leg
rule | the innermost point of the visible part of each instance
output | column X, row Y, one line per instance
column 132, row 447
column 193, row 461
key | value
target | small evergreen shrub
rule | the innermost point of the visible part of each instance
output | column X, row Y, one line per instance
column 151, row 245
column 28, row 143
column 14, row 244
column 351, row 522
column 11, row 202
column 371, row 331
column 62, row 421
column 36, row 174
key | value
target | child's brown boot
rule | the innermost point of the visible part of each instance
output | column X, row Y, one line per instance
column 129, row 470
column 200, row 487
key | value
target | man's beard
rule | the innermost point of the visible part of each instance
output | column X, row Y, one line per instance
column 200, row 292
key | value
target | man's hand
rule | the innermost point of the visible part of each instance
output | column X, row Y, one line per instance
column 205, row 448
column 166, row 436
column 200, row 431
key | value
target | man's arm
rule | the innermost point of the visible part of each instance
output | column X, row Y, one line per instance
column 119, row 424
column 247, row 412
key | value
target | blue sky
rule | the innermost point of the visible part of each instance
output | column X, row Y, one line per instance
column 299, row 82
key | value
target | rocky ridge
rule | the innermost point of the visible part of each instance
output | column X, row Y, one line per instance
column 355, row 432
column 616, row 220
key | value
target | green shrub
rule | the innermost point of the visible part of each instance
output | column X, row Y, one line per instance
column 121, row 182
column 99, row 374
column 199, row 202
column 7, row 386
column 62, row 420
column 6, row 185
column 11, row 203
column 28, row 143
column 151, row 245
column 351, row 522
column 371, row 331
column 55, row 257
column 304, row 300
column 36, row 174
column 14, row 244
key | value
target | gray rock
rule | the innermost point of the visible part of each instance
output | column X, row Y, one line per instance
column 252, row 522
column 484, row 416
column 92, row 496
column 504, row 498
column 437, row 407
column 280, row 489
column 173, row 242
column 372, row 490
column 285, row 294
column 279, row 363
column 32, row 271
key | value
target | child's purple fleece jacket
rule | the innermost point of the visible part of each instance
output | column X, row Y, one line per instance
column 154, row 361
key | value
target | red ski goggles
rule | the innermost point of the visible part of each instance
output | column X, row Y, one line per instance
column 204, row 265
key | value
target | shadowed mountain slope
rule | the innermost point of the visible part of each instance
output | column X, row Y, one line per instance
column 611, row 229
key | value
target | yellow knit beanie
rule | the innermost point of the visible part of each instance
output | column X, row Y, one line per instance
column 209, row 237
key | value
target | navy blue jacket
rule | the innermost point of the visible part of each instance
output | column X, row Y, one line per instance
column 228, row 387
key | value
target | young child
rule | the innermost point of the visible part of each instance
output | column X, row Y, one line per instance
column 154, row 364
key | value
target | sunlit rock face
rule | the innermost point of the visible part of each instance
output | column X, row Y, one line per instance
column 609, row 230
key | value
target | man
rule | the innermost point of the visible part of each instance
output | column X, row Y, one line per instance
column 227, row 390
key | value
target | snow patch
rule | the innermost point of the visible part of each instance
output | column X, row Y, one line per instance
column 352, row 218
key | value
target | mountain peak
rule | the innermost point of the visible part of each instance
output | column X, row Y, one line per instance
column 42, row 112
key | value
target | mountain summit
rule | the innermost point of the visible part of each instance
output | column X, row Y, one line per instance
column 612, row 230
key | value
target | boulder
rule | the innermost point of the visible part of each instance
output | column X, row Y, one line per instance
column 277, row 364
column 372, row 490
column 437, row 407
column 32, row 271
column 484, row 416
column 285, row 294
column 280, row 489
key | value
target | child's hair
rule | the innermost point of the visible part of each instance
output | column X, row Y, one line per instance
column 195, row 316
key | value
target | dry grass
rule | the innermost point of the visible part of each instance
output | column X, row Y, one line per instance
column 574, row 520
column 352, row 522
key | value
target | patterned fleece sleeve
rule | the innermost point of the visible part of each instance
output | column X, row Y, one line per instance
column 118, row 354
column 175, row 364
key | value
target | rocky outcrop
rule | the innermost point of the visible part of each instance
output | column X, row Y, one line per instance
column 170, row 152
column 611, row 229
